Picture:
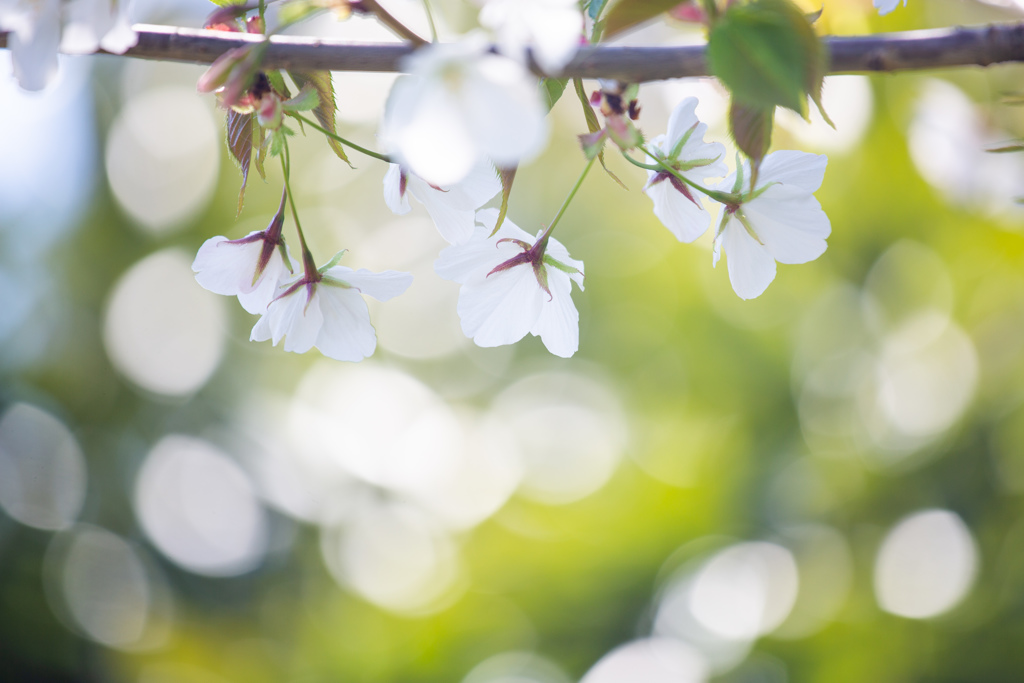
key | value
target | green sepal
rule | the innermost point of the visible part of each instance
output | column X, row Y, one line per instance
column 507, row 176
column 335, row 260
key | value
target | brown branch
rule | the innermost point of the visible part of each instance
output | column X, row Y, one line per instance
column 911, row 50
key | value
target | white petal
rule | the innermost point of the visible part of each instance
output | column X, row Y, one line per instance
column 225, row 267
column 886, row 6
column 501, row 308
column 393, row 196
column 34, row 45
column 792, row 230
column 261, row 330
column 303, row 320
column 346, row 333
column 121, row 36
column 751, row 267
column 427, row 127
column 454, row 224
column 257, row 300
column 695, row 148
column 790, row 167
column 684, row 219
column 556, row 37
column 683, row 118
column 381, row 286
column 504, row 111
column 557, row 251
column 558, row 325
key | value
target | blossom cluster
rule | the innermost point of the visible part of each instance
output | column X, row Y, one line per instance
column 456, row 127
column 40, row 28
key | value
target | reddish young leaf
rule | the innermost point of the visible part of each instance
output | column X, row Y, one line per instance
column 240, row 144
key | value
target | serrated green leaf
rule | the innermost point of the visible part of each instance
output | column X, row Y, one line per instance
column 239, row 139
column 507, row 175
column 276, row 79
column 767, row 54
column 321, row 81
column 626, row 14
column 551, row 90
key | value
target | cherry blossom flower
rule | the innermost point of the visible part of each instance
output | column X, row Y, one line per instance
column 250, row 268
column 36, row 35
column 678, row 206
column 461, row 103
column 93, row 24
column 886, row 6
column 34, row 38
column 452, row 208
column 779, row 221
column 551, row 29
column 325, row 310
column 513, row 284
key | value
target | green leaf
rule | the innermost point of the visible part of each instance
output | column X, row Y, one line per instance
column 751, row 127
column 228, row 3
column 298, row 10
column 507, row 175
column 321, row 81
column 239, row 139
column 626, row 14
column 767, row 54
column 593, row 126
column 551, row 90
column 305, row 100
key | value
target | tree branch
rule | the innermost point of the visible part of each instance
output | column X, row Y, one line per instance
column 911, row 50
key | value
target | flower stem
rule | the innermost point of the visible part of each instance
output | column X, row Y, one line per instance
column 308, row 264
column 663, row 165
column 397, row 27
column 333, row 136
column 543, row 241
column 430, row 20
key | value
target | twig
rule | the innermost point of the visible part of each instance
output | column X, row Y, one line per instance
column 911, row 50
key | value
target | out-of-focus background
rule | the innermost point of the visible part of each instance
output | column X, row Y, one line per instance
column 822, row 484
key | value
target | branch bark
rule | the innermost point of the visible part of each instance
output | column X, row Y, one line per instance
column 891, row 52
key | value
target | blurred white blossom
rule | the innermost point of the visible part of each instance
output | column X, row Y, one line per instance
column 512, row 284
column 780, row 221
column 551, row 29
column 886, row 6
column 38, row 28
column 461, row 103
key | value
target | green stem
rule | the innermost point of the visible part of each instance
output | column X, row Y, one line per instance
column 663, row 165
column 397, row 27
column 430, row 20
column 565, row 205
column 333, row 136
column 308, row 264
column 711, row 9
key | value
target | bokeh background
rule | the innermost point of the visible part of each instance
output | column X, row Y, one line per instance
column 822, row 484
